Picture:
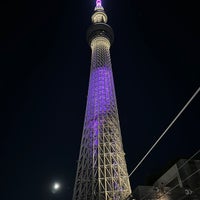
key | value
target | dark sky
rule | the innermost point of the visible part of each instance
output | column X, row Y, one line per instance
column 44, row 76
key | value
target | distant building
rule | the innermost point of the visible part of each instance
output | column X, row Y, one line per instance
column 179, row 174
column 150, row 193
column 180, row 182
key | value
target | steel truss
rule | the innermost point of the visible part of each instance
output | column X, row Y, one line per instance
column 102, row 171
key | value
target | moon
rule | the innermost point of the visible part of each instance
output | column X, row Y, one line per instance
column 56, row 187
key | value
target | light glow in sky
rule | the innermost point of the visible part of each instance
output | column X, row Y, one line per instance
column 56, row 186
column 98, row 3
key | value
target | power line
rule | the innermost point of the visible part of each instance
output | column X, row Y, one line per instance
column 196, row 189
column 189, row 159
column 178, row 169
column 170, row 125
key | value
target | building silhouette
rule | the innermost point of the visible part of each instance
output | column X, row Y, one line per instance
column 181, row 181
column 101, row 172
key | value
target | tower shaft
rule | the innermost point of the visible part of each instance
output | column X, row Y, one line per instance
column 102, row 172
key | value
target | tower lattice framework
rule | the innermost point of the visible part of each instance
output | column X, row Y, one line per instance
column 102, row 171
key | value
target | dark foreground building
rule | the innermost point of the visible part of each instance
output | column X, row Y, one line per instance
column 180, row 182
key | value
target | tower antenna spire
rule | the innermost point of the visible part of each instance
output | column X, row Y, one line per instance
column 98, row 5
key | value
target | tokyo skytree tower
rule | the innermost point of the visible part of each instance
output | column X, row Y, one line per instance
column 102, row 171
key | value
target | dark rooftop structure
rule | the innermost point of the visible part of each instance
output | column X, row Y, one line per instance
column 181, row 181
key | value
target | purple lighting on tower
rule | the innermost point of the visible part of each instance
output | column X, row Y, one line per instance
column 100, row 96
column 98, row 3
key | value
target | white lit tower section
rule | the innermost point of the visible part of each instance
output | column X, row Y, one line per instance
column 102, row 171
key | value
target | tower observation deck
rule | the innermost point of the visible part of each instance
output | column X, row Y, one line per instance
column 102, row 171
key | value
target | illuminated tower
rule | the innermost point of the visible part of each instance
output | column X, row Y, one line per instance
column 102, row 172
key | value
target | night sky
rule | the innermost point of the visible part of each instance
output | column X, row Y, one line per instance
column 45, row 63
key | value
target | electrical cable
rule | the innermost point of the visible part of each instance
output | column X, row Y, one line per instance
column 169, row 126
column 196, row 189
column 189, row 159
